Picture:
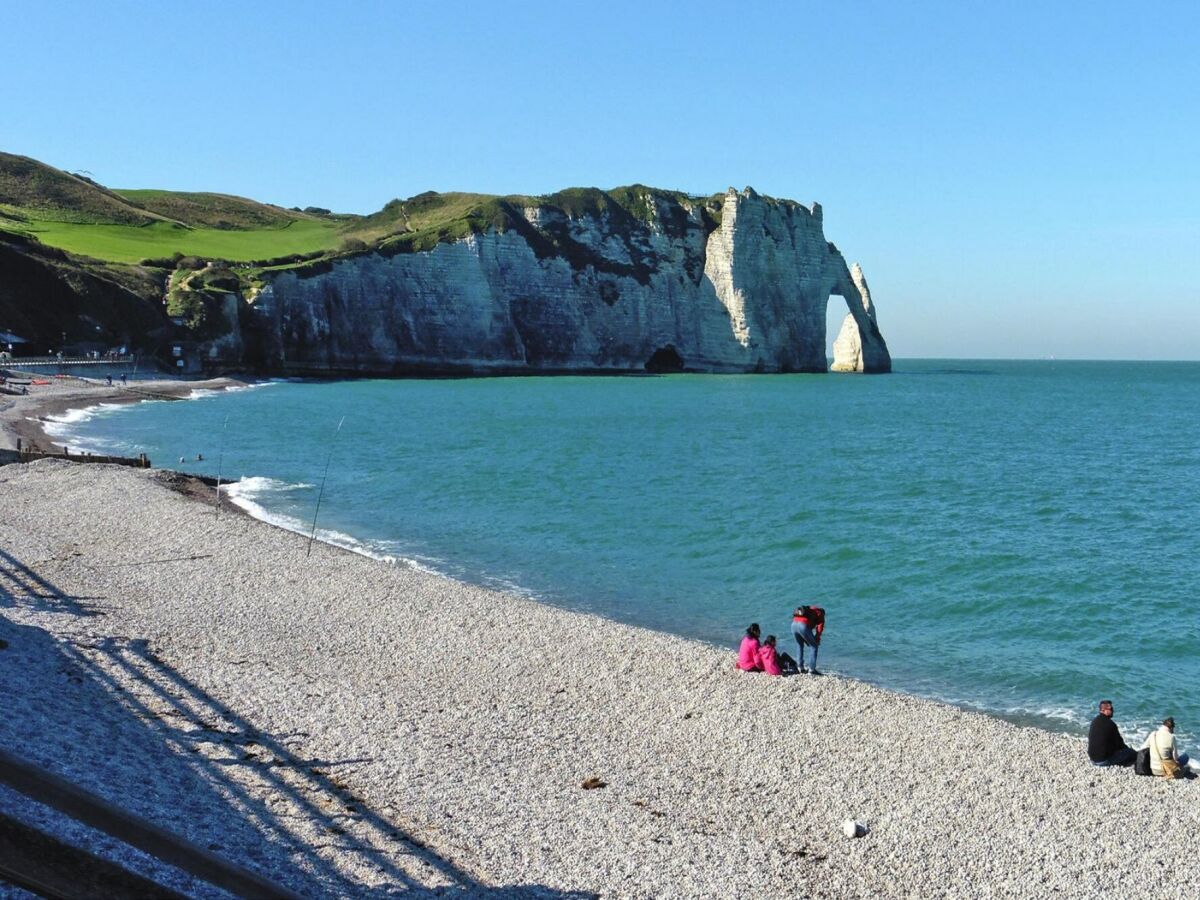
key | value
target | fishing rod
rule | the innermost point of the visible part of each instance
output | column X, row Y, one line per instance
column 321, row 492
column 220, row 459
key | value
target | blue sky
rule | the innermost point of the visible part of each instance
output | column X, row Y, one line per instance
column 1017, row 179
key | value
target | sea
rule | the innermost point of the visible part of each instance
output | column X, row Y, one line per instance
column 1015, row 537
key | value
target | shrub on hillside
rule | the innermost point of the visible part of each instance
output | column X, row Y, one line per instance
column 31, row 244
column 162, row 262
column 224, row 281
column 289, row 260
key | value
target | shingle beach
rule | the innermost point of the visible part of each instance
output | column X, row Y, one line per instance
column 354, row 727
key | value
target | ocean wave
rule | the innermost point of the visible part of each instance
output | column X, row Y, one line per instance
column 430, row 565
column 249, row 386
column 75, row 416
column 63, row 428
column 247, row 492
column 1056, row 718
column 506, row 584
column 203, row 393
column 252, row 495
column 254, row 486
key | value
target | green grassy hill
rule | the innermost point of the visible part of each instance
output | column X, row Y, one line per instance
column 161, row 240
column 74, row 214
column 31, row 190
column 423, row 221
column 201, row 210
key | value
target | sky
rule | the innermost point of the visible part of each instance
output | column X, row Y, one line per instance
column 1018, row 180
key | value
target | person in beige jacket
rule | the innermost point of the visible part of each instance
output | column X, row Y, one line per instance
column 1161, row 744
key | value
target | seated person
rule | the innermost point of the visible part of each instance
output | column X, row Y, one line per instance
column 747, row 659
column 1165, row 758
column 767, row 658
column 1106, row 747
column 774, row 661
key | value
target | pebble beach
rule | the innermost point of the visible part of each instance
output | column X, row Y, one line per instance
column 23, row 416
column 352, row 727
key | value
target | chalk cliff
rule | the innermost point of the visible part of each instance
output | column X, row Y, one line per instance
column 738, row 283
column 582, row 280
column 850, row 352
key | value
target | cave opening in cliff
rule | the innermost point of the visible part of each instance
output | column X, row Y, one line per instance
column 664, row 360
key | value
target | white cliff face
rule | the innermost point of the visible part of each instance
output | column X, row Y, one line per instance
column 718, row 269
column 596, row 292
column 847, row 348
column 848, row 353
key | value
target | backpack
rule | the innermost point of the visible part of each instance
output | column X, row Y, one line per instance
column 1141, row 764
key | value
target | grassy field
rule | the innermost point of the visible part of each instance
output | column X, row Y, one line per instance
column 205, row 210
column 33, row 189
column 131, row 243
column 425, row 212
column 73, row 213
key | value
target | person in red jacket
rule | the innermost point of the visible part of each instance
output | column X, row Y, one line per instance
column 808, row 623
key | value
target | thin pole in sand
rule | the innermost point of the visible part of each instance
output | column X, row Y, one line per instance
column 321, row 492
column 220, row 459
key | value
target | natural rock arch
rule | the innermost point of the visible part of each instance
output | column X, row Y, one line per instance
column 859, row 347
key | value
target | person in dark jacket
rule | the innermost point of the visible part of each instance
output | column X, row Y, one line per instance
column 1105, row 745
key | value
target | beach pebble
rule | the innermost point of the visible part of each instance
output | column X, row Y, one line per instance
column 350, row 727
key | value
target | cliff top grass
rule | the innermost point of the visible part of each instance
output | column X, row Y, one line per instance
column 160, row 240
column 73, row 213
column 434, row 210
column 425, row 220
column 205, row 210
column 429, row 211
column 33, row 190
column 77, row 215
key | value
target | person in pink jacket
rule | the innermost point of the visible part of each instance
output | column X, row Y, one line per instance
column 768, row 661
column 748, row 660
column 774, row 661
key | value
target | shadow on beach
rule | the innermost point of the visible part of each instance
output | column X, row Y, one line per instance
column 115, row 719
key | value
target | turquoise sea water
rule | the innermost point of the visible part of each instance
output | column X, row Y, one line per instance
column 1019, row 537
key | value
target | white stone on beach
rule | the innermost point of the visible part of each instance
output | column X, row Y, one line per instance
column 852, row 829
